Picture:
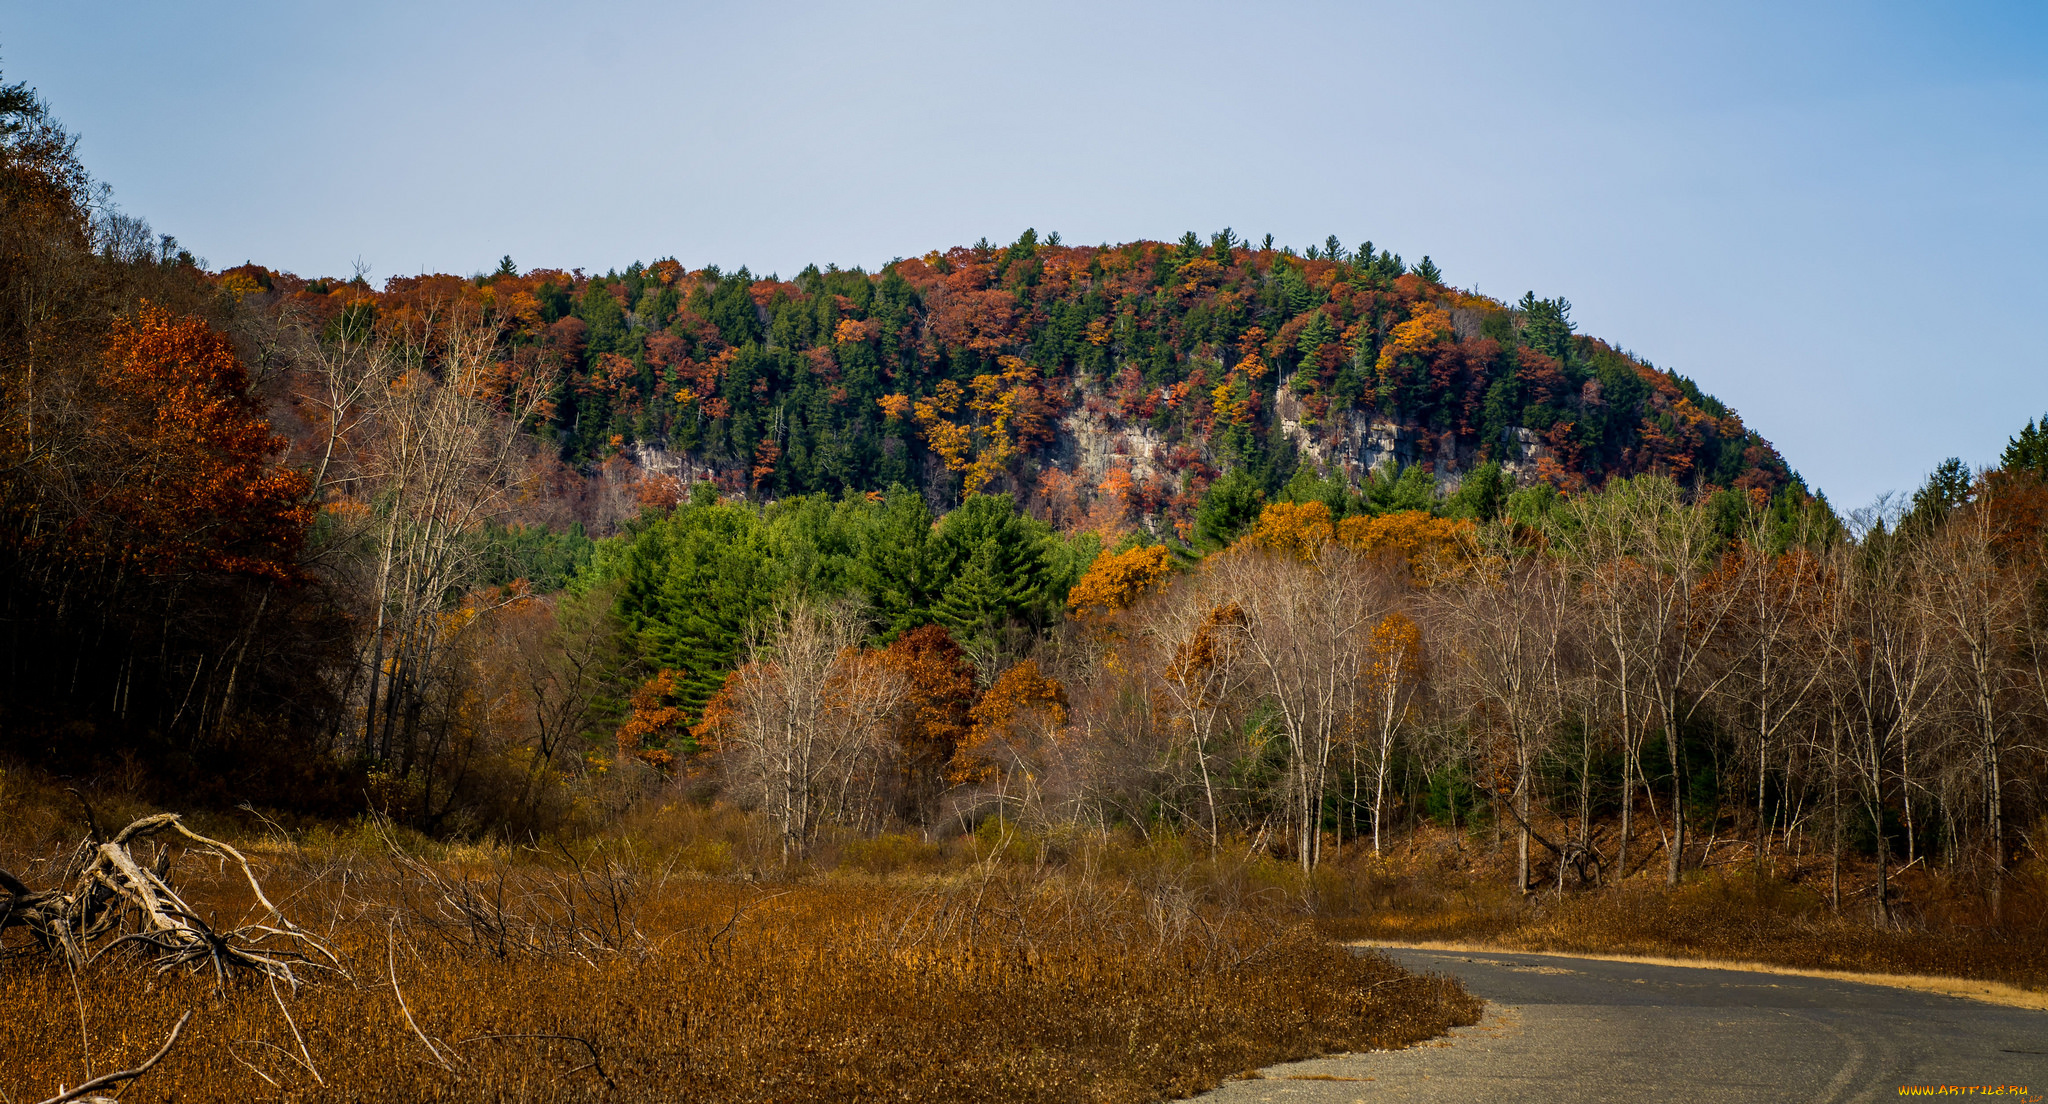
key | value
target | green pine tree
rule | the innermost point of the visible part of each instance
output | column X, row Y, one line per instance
column 1391, row 491
column 600, row 311
column 1227, row 510
column 992, row 568
column 1314, row 336
column 695, row 583
column 894, row 563
column 1295, row 294
column 1547, row 326
column 1481, row 494
column 1948, row 486
column 2028, row 452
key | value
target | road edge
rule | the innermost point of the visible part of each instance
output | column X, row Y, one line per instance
column 1988, row 992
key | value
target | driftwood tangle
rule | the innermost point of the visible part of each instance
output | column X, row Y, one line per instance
column 114, row 900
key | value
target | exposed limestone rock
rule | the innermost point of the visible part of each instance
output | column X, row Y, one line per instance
column 1092, row 441
column 654, row 458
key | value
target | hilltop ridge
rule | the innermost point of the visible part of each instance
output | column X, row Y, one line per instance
column 1102, row 385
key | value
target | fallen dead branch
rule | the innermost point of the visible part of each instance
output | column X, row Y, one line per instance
column 391, row 950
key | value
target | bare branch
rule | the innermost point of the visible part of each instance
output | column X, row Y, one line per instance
column 104, row 1080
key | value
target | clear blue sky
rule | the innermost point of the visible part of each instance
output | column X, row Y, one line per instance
column 1831, row 215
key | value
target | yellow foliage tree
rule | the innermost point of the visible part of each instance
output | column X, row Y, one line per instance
column 1428, row 327
column 1233, row 397
column 1432, row 548
column 1002, row 410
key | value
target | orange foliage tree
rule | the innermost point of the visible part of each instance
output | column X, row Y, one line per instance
column 655, row 720
column 1432, row 548
column 934, row 717
column 1017, row 736
column 660, row 492
column 1117, row 579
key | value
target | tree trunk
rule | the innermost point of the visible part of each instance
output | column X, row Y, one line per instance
column 1835, row 811
column 1522, row 836
column 1674, row 861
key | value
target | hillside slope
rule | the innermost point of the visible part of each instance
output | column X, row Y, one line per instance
column 1104, row 381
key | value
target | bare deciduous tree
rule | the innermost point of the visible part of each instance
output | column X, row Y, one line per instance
column 1506, row 623
column 800, row 726
column 1307, row 635
column 1976, row 606
column 445, row 441
column 1642, row 550
column 1393, row 683
column 1199, row 636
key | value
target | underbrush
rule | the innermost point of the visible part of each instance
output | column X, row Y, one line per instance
column 1436, row 887
column 623, row 970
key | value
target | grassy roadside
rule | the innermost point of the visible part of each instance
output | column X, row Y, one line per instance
column 1438, row 889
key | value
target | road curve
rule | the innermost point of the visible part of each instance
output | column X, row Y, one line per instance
column 1561, row 1029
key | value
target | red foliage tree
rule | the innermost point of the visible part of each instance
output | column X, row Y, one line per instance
column 190, row 484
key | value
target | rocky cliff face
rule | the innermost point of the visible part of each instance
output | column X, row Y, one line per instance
column 1093, row 442
column 1357, row 443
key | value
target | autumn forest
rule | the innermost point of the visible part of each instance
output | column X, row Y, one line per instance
column 503, row 546
column 1300, row 554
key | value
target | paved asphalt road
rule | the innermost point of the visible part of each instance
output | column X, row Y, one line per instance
column 1574, row 1029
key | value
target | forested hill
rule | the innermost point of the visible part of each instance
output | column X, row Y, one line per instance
column 1088, row 380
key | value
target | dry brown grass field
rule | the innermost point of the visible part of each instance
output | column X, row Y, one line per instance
column 1438, row 888
column 676, row 957
column 609, row 972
